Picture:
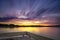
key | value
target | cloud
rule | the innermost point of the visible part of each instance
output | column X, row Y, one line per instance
column 34, row 9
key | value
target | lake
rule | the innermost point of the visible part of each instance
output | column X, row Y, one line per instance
column 51, row 32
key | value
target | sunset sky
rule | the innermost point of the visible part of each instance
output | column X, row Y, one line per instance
column 31, row 9
column 31, row 12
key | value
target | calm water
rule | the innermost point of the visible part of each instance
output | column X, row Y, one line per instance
column 51, row 32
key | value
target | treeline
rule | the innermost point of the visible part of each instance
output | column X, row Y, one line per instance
column 12, row 25
column 8, row 25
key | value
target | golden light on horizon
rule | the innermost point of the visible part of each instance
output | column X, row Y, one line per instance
column 29, row 29
column 28, row 22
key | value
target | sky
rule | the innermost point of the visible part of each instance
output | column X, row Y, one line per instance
column 31, row 9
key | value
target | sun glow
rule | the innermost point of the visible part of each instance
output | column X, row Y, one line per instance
column 29, row 29
column 41, row 23
column 29, row 23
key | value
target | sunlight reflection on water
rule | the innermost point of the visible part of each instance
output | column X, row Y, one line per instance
column 51, row 32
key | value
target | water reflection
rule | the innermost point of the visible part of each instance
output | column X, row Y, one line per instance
column 51, row 32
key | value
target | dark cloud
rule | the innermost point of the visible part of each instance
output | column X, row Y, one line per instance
column 33, row 9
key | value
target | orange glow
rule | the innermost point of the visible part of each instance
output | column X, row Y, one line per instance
column 27, row 22
column 29, row 29
column 32, row 29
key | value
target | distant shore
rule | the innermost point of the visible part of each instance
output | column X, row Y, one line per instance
column 12, row 25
